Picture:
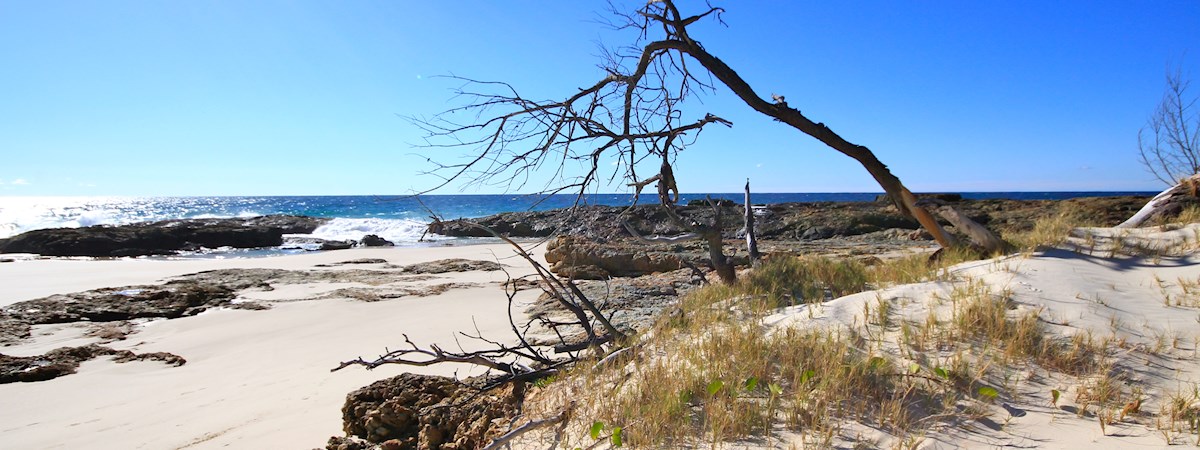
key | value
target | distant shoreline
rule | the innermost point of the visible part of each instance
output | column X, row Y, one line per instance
column 396, row 218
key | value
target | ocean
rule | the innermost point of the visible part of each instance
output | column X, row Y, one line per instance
column 400, row 219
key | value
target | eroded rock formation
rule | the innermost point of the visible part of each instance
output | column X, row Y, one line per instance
column 412, row 411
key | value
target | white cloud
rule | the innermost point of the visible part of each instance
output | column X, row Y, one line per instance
column 20, row 182
column 759, row 165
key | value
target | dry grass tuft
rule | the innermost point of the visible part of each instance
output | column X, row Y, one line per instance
column 919, row 267
column 712, row 371
column 1051, row 230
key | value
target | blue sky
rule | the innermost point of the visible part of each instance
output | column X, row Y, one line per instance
column 305, row 98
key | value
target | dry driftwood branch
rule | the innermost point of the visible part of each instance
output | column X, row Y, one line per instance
column 567, row 348
column 503, row 440
column 566, row 293
column 435, row 355
column 983, row 238
column 559, row 290
column 1165, row 200
column 751, row 240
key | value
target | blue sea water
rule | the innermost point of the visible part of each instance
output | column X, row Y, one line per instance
column 401, row 219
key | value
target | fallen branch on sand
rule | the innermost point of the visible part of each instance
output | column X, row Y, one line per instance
column 1165, row 203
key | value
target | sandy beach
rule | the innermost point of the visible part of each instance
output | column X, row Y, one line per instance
column 261, row 378
column 253, row 378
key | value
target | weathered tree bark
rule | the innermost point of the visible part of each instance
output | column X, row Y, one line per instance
column 751, row 241
column 712, row 235
column 1167, row 202
column 979, row 235
column 679, row 40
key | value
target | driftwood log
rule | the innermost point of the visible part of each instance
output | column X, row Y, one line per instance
column 979, row 235
column 1166, row 203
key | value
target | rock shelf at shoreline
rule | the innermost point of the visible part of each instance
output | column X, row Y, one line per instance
column 160, row 238
column 781, row 221
column 799, row 223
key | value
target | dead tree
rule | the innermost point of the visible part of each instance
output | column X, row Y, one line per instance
column 751, row 240
column 523, row 361
column 1169, row 144
column 632, row 115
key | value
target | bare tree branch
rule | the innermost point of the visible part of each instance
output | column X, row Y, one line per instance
column 1169, row 143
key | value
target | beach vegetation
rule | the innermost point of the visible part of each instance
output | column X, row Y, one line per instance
column 1051, row 230
column 717, row 371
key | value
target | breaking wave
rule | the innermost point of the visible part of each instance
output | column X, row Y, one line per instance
column 395, row 230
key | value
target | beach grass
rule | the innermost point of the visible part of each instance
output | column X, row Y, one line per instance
column 713, row 372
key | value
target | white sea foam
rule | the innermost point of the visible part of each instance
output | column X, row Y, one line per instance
column 21, row 214
column 89, row 218
column 395, row 230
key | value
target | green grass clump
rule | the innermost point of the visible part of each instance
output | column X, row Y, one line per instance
column 784, row 281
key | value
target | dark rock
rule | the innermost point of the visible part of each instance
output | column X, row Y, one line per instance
column 948, row 198
column 600, row 223
column 171, row 300
column 365, row 261
column 159, row 238
column 787, row 221
column 453, row 265
column 719, row 202
column 65, row 360
column 815, row 233
column 412, row 411
column 13, row 329
column 372, row 240
column 630, row 303
column 288, row 224
column 336, row 245
column 349, row 443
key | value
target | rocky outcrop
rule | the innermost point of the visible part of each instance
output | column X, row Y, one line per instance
column 160, row 238
column 579, row 258
column 412, row 411
column 373, row 240
column 65, row 360
column 336, row 245
column 787, row 221
column 171, row 300
column 452, row 265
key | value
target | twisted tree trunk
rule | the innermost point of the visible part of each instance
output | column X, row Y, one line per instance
column 780, row 111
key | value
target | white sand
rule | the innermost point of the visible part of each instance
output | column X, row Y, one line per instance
column 260, row 379
column 253, row 379
column 1075, row 292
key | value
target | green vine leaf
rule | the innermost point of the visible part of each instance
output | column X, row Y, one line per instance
column 597, row 427
column 751, row 383
column 715, row 387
